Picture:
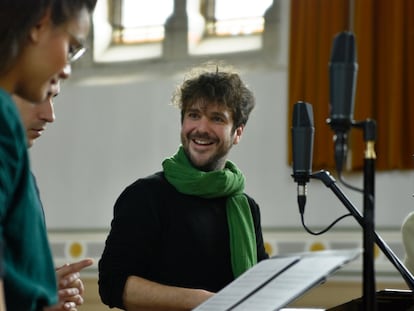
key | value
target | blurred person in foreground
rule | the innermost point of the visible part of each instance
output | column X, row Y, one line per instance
column 35, row 117
column 39, row 40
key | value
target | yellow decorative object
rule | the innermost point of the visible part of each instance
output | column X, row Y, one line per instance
column 75, row 249
column 268, row 248
column 317, row 246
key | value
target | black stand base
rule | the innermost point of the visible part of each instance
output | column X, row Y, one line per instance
column 387, row 300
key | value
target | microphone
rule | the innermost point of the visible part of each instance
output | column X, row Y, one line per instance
column 302, row 148
column 343, row 69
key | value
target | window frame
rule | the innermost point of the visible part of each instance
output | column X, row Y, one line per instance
column 184, row 37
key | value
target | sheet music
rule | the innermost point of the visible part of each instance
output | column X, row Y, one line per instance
column 247, row 283
column 273, row 283
column 292, row 283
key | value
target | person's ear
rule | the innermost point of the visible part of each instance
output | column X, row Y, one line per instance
column 40, row 27
column 237, row 134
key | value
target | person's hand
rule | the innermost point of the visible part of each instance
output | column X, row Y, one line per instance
column 70, row 286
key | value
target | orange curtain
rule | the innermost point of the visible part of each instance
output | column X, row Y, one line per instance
column 384, row 32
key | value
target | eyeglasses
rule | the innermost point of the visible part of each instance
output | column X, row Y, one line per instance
column 75, row 50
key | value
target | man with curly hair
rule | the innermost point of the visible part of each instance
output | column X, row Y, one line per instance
column 182, row 234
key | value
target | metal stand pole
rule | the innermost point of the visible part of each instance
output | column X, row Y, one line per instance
column 369, row 291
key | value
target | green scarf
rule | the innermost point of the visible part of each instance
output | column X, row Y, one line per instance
column 229, row 183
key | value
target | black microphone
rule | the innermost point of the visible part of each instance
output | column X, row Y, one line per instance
column 343, row 69
column 302, row 148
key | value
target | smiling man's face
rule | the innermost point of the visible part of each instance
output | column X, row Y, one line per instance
column 207, row 135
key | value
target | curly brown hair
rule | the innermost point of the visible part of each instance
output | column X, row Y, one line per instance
column 215, row 83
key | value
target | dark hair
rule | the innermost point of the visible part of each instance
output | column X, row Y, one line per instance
column 216, row 83
column 64, row 10
column 17, row 17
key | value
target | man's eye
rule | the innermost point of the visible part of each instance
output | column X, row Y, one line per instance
column 192, row 115
column 218, row 119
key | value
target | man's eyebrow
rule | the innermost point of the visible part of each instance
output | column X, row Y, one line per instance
column 222, row 113
column 193, row 109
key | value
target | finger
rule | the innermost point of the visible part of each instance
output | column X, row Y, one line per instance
column 68, row 279
column 61, row 267
column 74, row 267
column 76, row 300
column 61, row 306
column 78, row 284
column 69, row 306
column 65, row 294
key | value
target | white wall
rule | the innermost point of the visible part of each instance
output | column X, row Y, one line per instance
column 106, row 136
column 114, row 126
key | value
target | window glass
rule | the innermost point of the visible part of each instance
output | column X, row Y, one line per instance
column 135, row 29
column 143, row 20
column 238, row 17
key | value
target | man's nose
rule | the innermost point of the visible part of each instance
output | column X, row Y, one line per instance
column 203, row 124
column 47, row 112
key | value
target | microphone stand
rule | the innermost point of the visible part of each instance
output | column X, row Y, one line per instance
column 330, row 182
column 369, row 128
column 367, row 221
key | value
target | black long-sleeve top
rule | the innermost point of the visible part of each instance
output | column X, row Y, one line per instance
column 168, row 237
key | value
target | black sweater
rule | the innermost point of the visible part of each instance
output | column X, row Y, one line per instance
column 168, row 237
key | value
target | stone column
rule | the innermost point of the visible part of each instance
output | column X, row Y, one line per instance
column 175, row 44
